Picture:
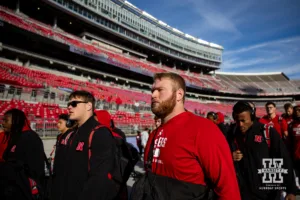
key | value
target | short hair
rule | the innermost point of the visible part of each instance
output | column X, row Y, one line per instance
column 85, row 95
column 19, row 121
column 213, row 114
column 177, row 79
column 63, row 117
column 287, row 106
column 270, row 103
column 241, row 106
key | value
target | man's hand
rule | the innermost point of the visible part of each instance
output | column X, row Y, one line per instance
column 290, row 197
column 285, row 133
column 237, row 155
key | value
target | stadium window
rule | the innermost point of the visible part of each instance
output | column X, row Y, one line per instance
column 19, row 91
column 46, row 94
column 75, row 8
column 84, row 13
column 52, row 95
column 2, row 88
column 33, row 93
column 11, row 90
column 61, row 97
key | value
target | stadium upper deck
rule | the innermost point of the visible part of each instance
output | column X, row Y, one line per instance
column 273, row 83
column 126, row 20
column 228, row 84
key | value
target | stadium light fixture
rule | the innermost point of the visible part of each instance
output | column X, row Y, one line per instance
column 38, row 8
column 130, row 4
column 162, row 23
column 148, row 15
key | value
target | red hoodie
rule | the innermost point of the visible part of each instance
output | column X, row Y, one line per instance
column 221, row 118
column 26, row 126
column 3, row 144
column 4, row 140
column 103, row 117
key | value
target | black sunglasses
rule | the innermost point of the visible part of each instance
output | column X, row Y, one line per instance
column 74, row 103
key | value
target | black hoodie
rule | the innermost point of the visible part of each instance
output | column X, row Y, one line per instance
column 78, row 182
column 23, row 160
column 61, row 148
column 254, row 148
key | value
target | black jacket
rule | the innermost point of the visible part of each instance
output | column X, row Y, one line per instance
column 223, row 129
column 78, row 182
column 23, row 160
column 59, row 163
column 254, row 147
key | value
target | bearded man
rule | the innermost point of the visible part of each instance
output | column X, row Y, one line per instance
column 187, row 157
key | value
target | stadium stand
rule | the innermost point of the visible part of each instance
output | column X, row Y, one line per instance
column 34, row 79
column 261, row 83
column 113, row 58
column 272, row 83
column 42, row 93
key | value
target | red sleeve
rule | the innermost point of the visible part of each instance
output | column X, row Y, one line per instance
column 284, row 125
column 217, row 164
column 262, row 120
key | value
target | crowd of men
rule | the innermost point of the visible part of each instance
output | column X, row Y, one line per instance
column 186, row 157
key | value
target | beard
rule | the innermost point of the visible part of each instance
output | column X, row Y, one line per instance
column 163, row 109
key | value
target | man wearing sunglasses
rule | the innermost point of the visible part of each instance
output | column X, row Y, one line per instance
column 87, row 178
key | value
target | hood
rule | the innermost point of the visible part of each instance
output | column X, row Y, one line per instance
column 26, row 126
column 103, row 117
column 221, row 118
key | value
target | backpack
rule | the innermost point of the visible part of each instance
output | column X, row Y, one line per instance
column 126, row 156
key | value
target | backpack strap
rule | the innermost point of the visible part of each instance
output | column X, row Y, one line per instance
column 90, row 143
column 267, row 135
column 33, row 187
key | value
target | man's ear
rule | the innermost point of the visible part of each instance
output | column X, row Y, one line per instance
column 89, row 106
column 179, row 95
